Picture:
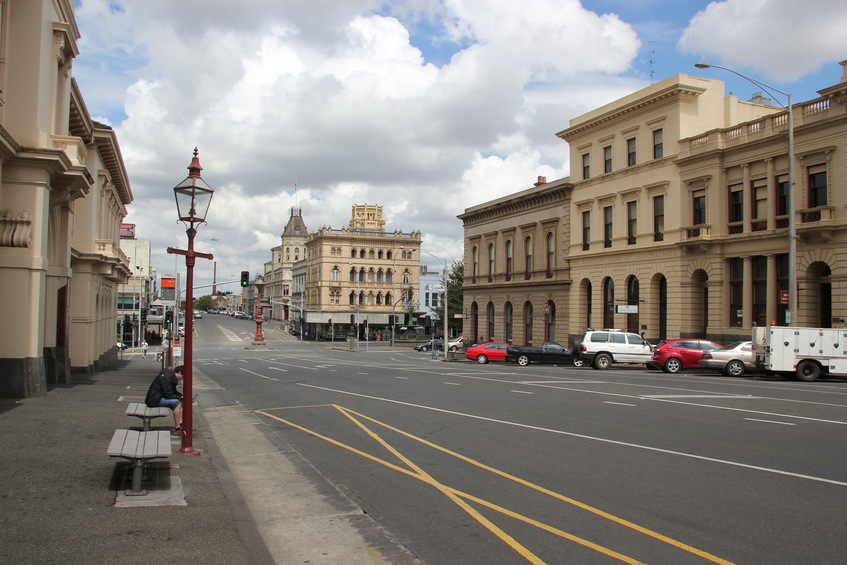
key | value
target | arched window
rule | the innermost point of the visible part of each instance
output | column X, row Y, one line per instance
column 335, row 275
column 296, row 253
column 362, row 274
column 352, row 298
column 389, row 276
column 361, row 254
column 287, row 253
column 380, row 275
column 507, row 322
column 352, row 274
column 527, row 320
column 490, row 315
column 608, row 303
column 407, row 276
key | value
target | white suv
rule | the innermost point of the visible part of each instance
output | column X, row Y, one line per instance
column 601, row 348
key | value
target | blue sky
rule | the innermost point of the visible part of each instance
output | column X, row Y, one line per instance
column 426, row 107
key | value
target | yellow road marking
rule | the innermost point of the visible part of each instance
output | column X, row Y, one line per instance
column 456, row 495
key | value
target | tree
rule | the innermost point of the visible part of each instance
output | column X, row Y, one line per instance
column 455, row 297
column 203, row 303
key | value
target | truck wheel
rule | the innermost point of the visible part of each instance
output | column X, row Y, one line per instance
column 734, row 368
column 523, row 360
column 808, row 371
column 482, row 359
column 602, row 361
column 672, row 365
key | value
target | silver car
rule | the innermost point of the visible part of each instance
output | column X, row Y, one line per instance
column 732, row 360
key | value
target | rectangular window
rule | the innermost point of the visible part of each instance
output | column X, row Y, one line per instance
column 658, row 145
column 586, row 230
column 782, row 266
column 659, row 218
column 631, row 222
column 607, row 159
column 630, row 151
column 699, row 206
column 607, row 226
column 817, row 188
column 586, row 165
column 736, row 203
column 760, row 205
column 736, row 291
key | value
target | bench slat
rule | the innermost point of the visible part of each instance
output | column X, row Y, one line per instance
column 132, row 444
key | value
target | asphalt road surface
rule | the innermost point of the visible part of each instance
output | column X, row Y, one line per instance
column 500, row 464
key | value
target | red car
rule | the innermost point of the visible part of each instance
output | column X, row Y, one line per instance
column 674, row 355
column 485, row 352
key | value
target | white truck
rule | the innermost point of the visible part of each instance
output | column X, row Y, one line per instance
column 807, row 353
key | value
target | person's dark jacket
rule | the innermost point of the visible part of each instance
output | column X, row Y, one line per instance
column 163, row 386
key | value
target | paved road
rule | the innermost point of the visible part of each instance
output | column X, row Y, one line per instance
column 498, row 464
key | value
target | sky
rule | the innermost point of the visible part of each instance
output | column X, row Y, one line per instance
column 425, row 107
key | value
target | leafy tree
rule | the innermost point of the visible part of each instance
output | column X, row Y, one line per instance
column 203, row 303
column 455, row 297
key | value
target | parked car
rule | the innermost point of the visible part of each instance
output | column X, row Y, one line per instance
column 453, row 345
column 674, row 355
column 198, row 315
column 601, row 348
column 732, row 360
column 241, row 316
column 485, row 352
column 549, row 352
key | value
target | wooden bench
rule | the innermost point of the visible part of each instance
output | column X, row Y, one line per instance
column 139, row 447
column 146, row 413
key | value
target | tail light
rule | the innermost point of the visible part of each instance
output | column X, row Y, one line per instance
column 706, row 355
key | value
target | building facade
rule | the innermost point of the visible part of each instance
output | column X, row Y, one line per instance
column 278, row 276
column 517, row 275
column 63, row 196
column 676, row 223
column 358, row 276
column 136, row 295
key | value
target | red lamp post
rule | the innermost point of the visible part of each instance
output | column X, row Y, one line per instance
column 193, row 197
column 259, row 338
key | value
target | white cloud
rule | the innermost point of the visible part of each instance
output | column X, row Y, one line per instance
column 334, row 96
column 783, row 39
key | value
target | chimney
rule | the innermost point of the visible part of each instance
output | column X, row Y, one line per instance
column 541, row 180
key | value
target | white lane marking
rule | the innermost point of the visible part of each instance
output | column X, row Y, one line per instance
column 587, row 437
column 661, row 396
column 771, row 422
column 618, row 403
column 452, row 384
column 291, row 365
column 229, row 334
column 258, row 375
column 521, row 392
column 278, row 369
column 776, row 414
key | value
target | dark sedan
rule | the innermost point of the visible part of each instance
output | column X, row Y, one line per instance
column 549, row 352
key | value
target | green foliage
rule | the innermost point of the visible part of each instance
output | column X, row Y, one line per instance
column 455, row 297
column 203, row 303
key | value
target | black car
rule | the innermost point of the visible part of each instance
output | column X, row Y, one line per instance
column 549, row 352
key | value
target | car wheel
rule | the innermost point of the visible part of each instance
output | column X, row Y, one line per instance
column 424, row 348
column 602, row 361
column 672, row 365
column 734, row 368
column 578, row 363
column 523, row 360
column 454, row 348
column 808, row 371
column 482, row 359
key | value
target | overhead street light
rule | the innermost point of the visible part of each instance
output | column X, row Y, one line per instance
column 792, row 221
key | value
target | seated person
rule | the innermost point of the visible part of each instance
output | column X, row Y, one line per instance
column 163, row 392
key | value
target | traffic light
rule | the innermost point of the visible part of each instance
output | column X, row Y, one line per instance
column 329, row 321
column 365, row 323
column 391, row 319
column 245, row 278
column 352, row 318
column 168, row 316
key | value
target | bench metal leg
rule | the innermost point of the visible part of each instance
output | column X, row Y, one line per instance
column 145, row 426
column 137, row 478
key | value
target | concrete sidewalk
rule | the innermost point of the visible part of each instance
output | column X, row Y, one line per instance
column 248, row 498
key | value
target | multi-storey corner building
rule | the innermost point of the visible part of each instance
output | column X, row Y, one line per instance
column 63, row 196
column 278, row 272
column 675, row 223
column 517, row 275
column 359, row 274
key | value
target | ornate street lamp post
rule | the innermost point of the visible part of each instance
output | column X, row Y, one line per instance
column 792, row 225
column 193, row 197
column 259, row 338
